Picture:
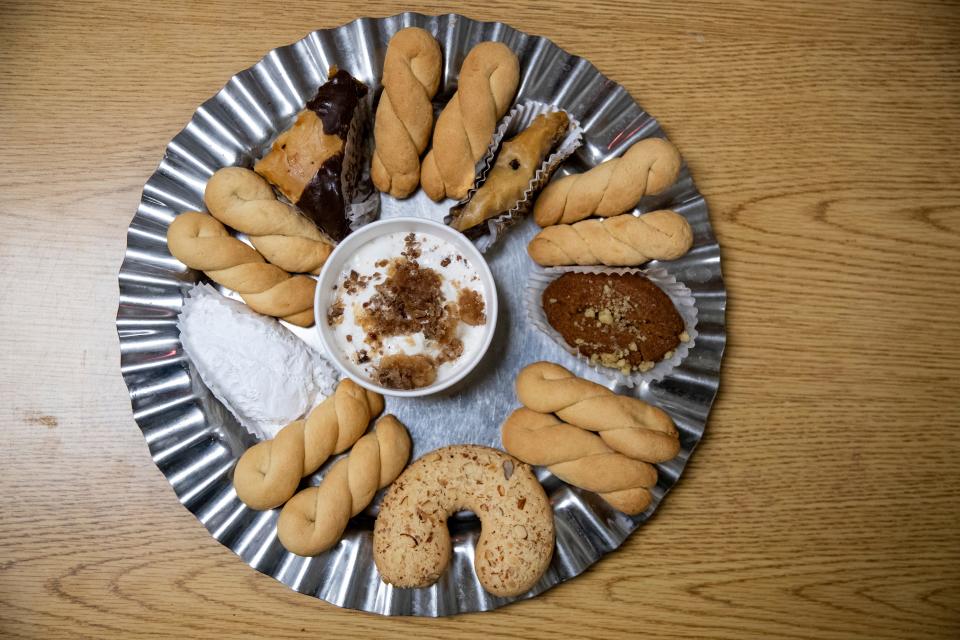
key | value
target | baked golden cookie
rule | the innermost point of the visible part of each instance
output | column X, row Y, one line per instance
column 620, row 241
column 628, row 425
column 269, row 472
column 241, row 199
column 580, row 458
column 613, row 187
column 488, row 81
column 314, row 520
column 199, row 241
column 411, row 543
column 411, row 76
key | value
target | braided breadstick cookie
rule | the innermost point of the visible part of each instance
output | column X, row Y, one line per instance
column 628, row 425
column 268, row 473
column 579, row 458
column 612, row 187
column 201, row 242
column 315, row 519
column 488, row 80
column 411, row 76
column 621, row 241
column 411, row 542
column 241, row 199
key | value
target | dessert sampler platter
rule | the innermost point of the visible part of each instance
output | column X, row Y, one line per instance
column 421, row 315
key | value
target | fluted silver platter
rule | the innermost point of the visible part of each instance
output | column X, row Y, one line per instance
column 196, row 443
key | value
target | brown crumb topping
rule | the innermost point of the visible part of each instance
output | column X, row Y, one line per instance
column 401, row 371
column 408, row 301
column 411, row 250
column 335, row 313
column 355, row 282
column 472, row 308
column 620, row 321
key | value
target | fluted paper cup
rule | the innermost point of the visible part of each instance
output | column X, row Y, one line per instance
column 679, row 294
column 363, row 205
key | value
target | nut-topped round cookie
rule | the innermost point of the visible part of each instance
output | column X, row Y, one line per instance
column 618, row 320
column 411, row 543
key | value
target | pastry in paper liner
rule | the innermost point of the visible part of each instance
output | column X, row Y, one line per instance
column 521, row 116
column 681, row 297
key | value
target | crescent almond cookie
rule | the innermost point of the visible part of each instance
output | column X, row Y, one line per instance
column 411, row 543
column 620, row 241
column 411, row 76
column 612, row 187
column 488, row 81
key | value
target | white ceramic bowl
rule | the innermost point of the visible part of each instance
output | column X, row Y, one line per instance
column 334, row 266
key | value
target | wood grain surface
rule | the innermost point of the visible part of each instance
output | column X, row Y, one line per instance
column 824, row 500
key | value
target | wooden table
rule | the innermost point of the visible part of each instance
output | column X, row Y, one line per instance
column 825, row 498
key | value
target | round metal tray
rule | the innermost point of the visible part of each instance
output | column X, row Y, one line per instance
column 196, row 443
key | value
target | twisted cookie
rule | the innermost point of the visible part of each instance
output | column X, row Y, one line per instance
column 268, row 473
column 315, row 519
column 411, row 76
column 200, row 242
column 241, row 199
column 628, row 425
column 612, row 187
column 579, row 458
column 488, row 80
column 620, row 241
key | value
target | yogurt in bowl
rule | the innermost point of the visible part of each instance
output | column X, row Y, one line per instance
column 406, row 306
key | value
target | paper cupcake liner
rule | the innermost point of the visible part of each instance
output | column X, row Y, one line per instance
column 680, row 295
column 363, row 200
column 517, row 119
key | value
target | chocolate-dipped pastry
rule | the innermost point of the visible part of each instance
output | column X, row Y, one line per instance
column 515, row 167
column 307, row 161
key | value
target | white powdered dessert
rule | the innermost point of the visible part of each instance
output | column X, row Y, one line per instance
column 408, row 310
column 259, row 370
